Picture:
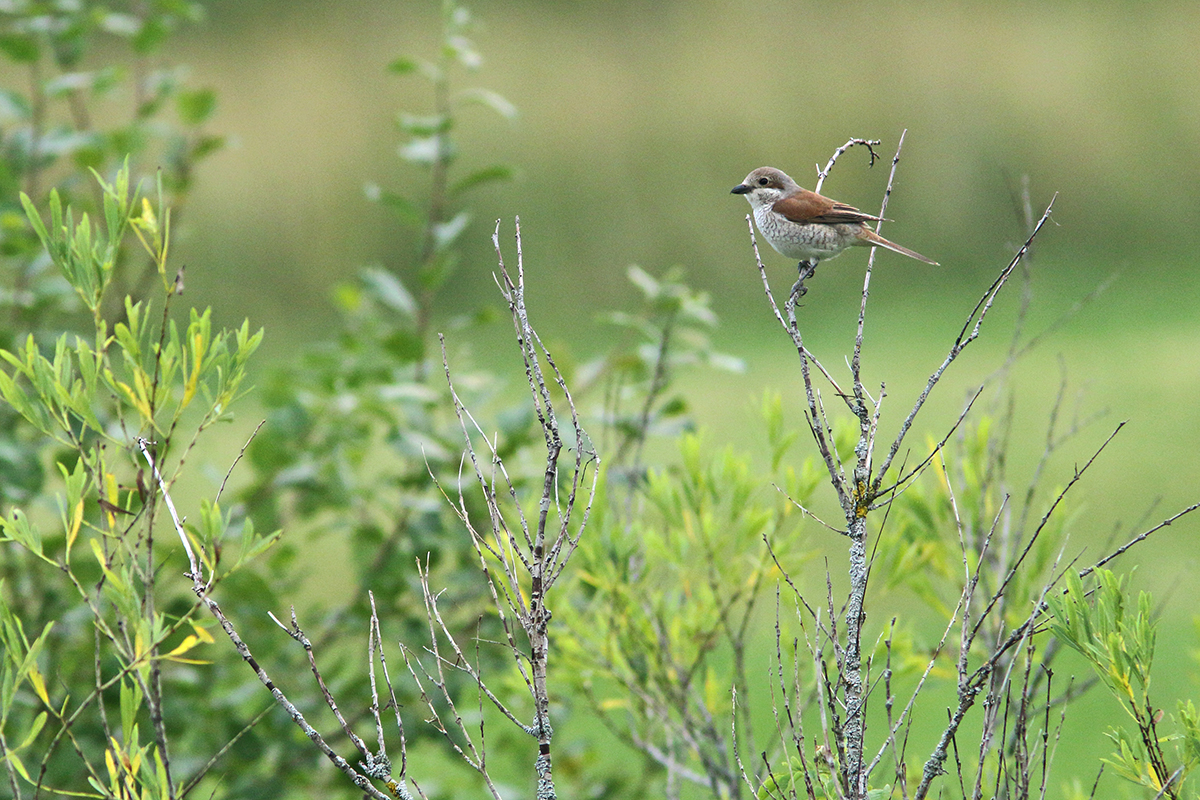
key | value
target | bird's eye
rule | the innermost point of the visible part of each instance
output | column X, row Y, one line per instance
column 763, row 181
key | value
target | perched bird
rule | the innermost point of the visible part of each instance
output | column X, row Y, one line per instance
column 807, row 226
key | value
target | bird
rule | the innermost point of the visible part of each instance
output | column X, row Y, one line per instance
column 804, row 225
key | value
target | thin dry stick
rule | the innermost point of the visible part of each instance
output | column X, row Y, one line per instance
column 528, row 563
column 193, row 567
column 904, row 714
column 806, row 512
column 240, row 454
column 1012, row 570
column 201, row 590
column 964, row 338
column 361, row 781
column 969, row 687
column 822, row 174
column 1139, row 538
column 906, row 479
column 299, row 636
column 375, row 647
column 856, row 359
column 461, row 662
column 470, row 753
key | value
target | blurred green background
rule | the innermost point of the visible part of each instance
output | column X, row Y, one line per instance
column 636, row 118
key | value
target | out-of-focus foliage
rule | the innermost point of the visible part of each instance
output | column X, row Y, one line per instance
column 84, row 89
column 360, row 430
column 671, row 589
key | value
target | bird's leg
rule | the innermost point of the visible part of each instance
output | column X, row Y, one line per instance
column 806, row 269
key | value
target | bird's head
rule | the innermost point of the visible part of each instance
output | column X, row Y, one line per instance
column 765, row 186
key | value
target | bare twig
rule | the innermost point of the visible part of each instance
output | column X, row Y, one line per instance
column 967, row 335
column 360, row 780
column 526, row 565
column 822, row 174
column 1139, row 538
column 193, row 567
column 240, row 454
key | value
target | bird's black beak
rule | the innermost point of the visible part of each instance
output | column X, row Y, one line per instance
column 741, row 188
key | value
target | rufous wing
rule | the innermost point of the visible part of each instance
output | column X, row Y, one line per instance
column 809, row 207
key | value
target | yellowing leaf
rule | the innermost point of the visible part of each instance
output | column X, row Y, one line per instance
column 148, row 217
column 15, row 760
column 76, row 522
column 139, row 403
column 202, row 633
column 189, row 390
column 712, row 689
column 39, row 684
column 187, row 644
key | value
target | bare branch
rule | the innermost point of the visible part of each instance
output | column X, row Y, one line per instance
column 1139, row 538
column 824, row 173
column 977, row 316
column 240, row 455
column 193, row 567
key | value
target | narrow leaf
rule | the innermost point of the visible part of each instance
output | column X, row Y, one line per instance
column 496, row 172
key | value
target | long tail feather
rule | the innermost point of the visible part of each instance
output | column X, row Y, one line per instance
column 870, row 238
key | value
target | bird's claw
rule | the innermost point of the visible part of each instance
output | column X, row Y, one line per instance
column 807, row 269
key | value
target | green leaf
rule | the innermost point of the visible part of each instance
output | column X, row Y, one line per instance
column 462, row 50
column 494, row 101
column 405, row 209
column 405, row 65
column 405, row 346
column 726, row 362
column 427, row 149
column 438, row 270
column 444, row 233
column 22, row 49
column 496, row 172
column 423, row 124
column 17, row 764
column 206, row 145
column 13, row 106
column 389, row 290
column 673, row 407
column 253, row 544
column 39, row 722
column 644, row 281
column 154, row 31
column 35, row 218
column 17, row 528
column 69, row 82
column 120, row 24
column 196, row 106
